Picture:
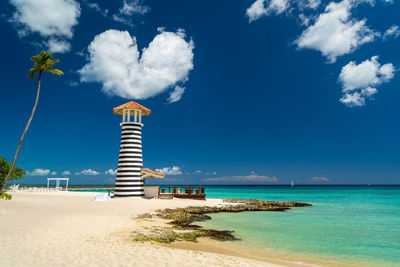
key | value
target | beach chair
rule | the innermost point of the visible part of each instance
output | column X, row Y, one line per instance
column 14, row 187
column 101, row 197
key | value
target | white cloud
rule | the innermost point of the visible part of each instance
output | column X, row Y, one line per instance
column 304, row 20
column 53, row 173
column 111, row 171
column 87, row 172
column 115, row 62
column 175, row 170
column 66, row 173
column 358, row 2
column 313, row 4
column 72, row 83
column 58, row 46
column 393, row 31
column 359, row 81
column 320, row 179
column 131, row 7
column 355, row 99
column 176, row 94
column 38, row 172
column 128, row 9
column 252, row 178
column 367, row 73
column 123, row 19
column 49, row 18
column 126, row 13
column 262, row 8
column 335, row 32
column 94, row 6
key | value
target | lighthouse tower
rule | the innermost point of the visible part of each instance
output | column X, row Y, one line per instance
column 129, row 182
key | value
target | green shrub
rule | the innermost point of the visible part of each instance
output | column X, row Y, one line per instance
column 5, row 166
column 4, row 195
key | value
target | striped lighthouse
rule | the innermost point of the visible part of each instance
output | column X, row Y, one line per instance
column 129, row 182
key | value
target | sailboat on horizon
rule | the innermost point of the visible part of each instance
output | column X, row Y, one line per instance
column 291, row 183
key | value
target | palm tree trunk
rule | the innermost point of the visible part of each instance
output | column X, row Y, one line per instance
column 4, row 182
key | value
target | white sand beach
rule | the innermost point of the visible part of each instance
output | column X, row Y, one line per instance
column 70, row 229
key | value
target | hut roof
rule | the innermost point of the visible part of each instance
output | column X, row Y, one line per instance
column 132, row 105
column 146, row 173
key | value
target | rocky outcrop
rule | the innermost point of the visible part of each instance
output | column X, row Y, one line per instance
column 182, row 219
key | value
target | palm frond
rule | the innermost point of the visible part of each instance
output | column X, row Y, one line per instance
column 36, row 59
column 32, row 72
column 51, row 62
column 55, row 60
column 48, row 54
column 54, row 71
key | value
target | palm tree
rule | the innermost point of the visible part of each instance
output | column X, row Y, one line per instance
column 43, row 62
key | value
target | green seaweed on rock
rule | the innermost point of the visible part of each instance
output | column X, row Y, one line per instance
column 168, row 236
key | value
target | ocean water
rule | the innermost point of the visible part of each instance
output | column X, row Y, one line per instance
column 357, row 224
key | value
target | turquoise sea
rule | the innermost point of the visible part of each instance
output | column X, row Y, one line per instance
column 354, row 225
column 357, row 225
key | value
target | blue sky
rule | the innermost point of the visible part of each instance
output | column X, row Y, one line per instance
column 241, row 91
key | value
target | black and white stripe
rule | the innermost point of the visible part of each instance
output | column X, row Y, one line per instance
column 129, row 182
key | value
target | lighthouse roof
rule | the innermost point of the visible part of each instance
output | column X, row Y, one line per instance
column 132, row 105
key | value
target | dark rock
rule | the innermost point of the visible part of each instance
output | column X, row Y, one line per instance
column 144, row 216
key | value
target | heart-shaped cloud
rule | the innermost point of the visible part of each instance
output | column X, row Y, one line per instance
column 115, row 62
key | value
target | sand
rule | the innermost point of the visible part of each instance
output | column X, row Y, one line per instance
column 70, row 229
